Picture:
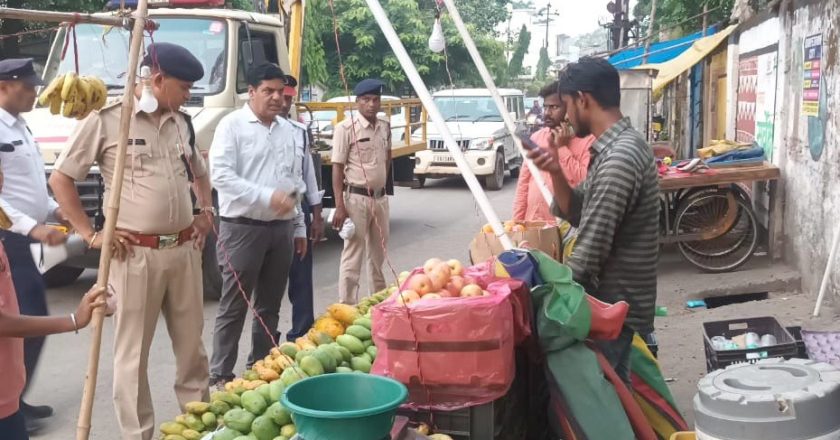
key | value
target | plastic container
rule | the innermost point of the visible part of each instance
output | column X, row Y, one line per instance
column 347, row 406
column 796, row 332
column 717, row 359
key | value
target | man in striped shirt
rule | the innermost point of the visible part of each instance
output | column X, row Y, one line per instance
column 616, row 209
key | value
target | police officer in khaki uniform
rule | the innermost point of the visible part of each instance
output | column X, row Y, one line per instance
column 157, row 266
column 361, row 159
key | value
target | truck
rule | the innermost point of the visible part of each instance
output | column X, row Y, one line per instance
column 227, row 42
column 474, row 121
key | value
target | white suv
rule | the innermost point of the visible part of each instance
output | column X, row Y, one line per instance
column 474, row 120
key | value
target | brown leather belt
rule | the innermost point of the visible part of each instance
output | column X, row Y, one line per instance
column 377, row 193
column 165, row 241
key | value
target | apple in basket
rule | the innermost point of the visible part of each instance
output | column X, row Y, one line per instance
column 429, row 296
column 420, row 284
column 455, row 266
column 454, row 286
column 407, row 297
column 430, row 264
column 440, row 276
column 471, row 290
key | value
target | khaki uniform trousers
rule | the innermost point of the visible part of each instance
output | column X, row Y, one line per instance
column 148, row 283
column 370, row 216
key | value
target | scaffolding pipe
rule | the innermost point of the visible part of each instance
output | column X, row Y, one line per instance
column 437, row 119
column 491, row 85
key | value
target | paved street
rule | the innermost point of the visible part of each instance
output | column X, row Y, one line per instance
column 438, row 220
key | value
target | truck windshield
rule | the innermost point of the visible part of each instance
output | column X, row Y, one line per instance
column 103, row 51
column 468, row 108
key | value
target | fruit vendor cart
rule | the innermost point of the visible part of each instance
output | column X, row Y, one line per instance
column 711, row 217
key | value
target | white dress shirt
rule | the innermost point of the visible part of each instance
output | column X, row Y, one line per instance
column 249, row 161
column 313, row 195
column 24, row 196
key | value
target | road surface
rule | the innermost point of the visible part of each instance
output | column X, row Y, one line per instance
column 437, row 221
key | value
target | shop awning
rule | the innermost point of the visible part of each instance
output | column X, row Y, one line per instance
column 668, row 71
column 658, row 52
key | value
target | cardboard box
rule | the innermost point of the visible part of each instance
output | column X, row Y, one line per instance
column 537, row 235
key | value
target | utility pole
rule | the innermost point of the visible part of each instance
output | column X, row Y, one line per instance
column 650, row 30
column 548, row 14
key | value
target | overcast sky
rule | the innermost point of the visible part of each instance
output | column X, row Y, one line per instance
column 580, row 16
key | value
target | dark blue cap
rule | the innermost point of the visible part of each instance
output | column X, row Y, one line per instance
column 174, row 60
column 19, row 69
column 369, row 87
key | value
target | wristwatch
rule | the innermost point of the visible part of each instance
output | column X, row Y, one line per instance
column 209, row 209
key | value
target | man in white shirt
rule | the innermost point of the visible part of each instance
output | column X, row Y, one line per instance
column 301, row 289
column 25, row 201
column 256, row 164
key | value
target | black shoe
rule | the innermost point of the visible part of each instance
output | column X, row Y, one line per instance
column 35, row 412
column 33, row 426
column 218, row 383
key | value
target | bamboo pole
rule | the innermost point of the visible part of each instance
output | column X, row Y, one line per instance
column 61, row 17
column 112, row 210
column 650, row 31
column 497, row 98
column 448, row 140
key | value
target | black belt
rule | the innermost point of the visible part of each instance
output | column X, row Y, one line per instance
column 251, row 222
column 377, row 193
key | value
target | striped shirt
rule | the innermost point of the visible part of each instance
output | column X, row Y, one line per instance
column 616, row 211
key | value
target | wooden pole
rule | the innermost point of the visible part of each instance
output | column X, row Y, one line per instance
column 650, row 31
column 60, row 17
column 705, row 17
column 112, row 210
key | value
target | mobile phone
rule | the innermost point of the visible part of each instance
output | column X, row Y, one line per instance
column 528, row 143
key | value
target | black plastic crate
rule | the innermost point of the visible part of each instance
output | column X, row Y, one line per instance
column 796, row 332
column 716, row 359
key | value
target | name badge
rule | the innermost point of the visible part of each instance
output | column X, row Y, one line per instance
column 136, row 142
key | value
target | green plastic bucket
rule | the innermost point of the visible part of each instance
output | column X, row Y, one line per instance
column 345, row 406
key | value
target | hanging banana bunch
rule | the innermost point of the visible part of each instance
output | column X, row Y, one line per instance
column 74, row 96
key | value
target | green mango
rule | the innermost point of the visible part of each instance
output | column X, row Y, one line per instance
column 275, row 390
column 254, row 402
column 240, row 420
column 279, row 414
column 264, row 428
column 363, row 333
column 312, row 366
column 265, row 391
column 226, row 433
column 360, row 364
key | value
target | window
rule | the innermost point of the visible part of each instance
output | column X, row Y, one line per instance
column 103, row 51
column 260, row 48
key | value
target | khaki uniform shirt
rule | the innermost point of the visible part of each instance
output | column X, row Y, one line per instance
column 363, row 148
column 156, row 190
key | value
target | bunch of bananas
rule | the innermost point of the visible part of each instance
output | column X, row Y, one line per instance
column 74, row 96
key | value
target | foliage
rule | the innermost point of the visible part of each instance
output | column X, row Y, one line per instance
column 515, row 65
column 11, row 46
column 245, row 5
column 542, row 65
column 366, row 53
column 676, row 14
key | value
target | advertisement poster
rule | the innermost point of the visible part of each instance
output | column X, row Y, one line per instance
column 747, row 82
column 811, row 75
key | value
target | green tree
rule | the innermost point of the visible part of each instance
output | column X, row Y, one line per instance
column 11, row 46
column 543, row 64
column 515, row 64
column 677, row 14
column 366, row 53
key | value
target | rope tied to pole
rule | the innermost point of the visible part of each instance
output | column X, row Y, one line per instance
column 71, row 29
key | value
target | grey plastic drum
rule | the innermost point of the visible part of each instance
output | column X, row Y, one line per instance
column 773, row 399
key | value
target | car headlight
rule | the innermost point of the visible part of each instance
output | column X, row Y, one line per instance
column 481, row 144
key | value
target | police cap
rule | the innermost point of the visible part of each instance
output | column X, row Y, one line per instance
column 174, row 60
column 369, row 87
column 19, row 69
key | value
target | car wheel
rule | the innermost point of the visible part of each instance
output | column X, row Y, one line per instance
column 60, row 276
column 494, row 181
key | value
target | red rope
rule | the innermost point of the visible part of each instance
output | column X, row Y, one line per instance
column 71, row 29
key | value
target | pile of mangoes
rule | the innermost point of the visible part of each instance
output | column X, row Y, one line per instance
column 250, row 409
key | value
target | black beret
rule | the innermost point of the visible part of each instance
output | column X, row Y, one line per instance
column 14, row 69
column 291, row 81
column 174, row 60
column 369, row 87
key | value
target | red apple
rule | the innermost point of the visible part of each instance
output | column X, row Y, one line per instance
column 420, row 283
column 456, row 266
column 439, row 276
column 455, row 284
column 430, row 264
column 407, row 297
column 471, row 290
column 431, row 296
